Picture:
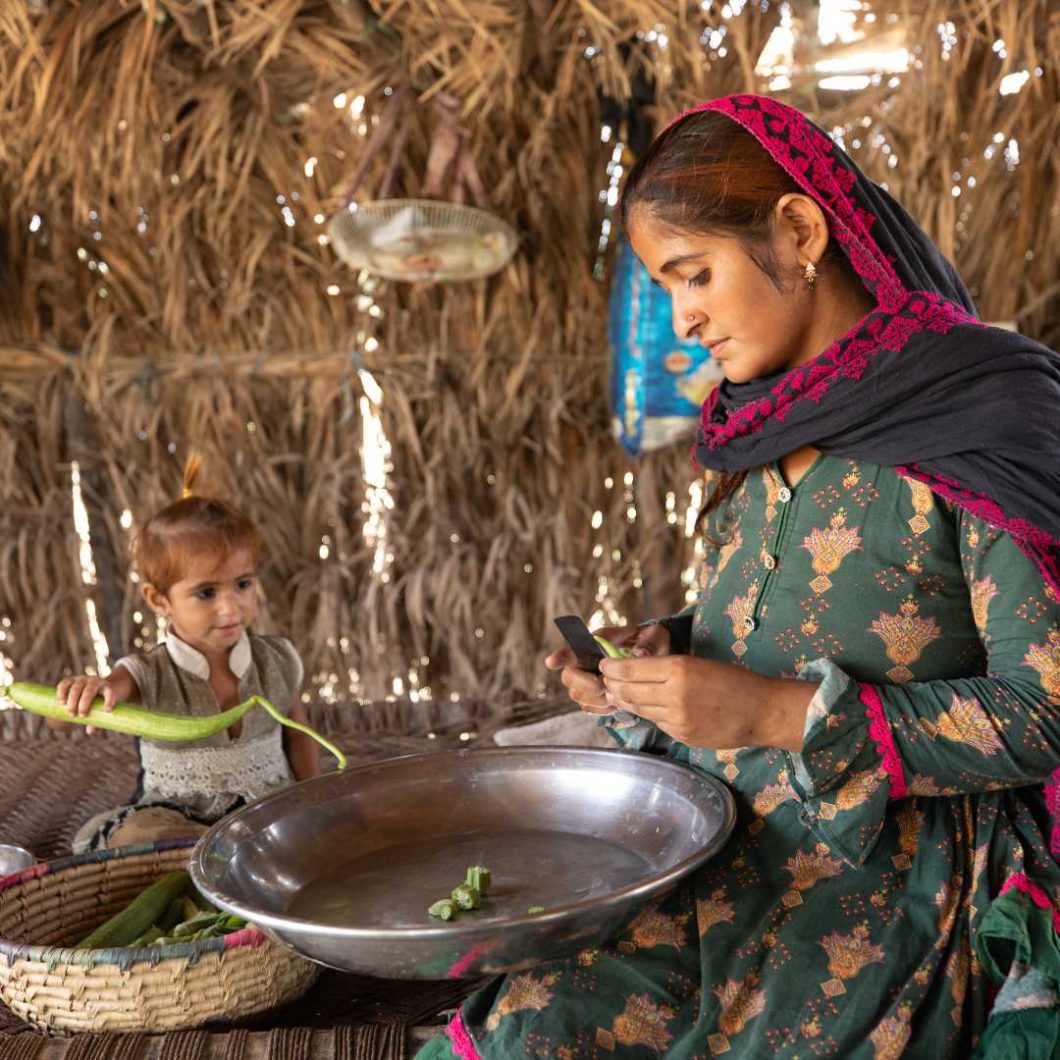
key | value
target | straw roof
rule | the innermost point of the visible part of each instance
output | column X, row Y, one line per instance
column 167, row 167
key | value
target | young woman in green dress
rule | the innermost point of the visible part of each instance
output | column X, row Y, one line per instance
column 872, row 664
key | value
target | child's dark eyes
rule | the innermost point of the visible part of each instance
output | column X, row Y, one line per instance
column 208, row 592
column 699, row 279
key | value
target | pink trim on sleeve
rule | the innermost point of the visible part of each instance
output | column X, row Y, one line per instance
column 881, row 735
column 463, row 1046
column 1052, row 804
column 1020, row 882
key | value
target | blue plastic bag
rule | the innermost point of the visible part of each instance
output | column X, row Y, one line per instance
column 658, row 381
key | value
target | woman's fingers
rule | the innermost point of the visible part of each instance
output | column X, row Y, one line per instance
column 596, row 703
column 557, row 660
column 586, row 689
column 651, row 640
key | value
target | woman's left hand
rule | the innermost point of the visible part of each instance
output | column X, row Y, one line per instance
column 703, row 703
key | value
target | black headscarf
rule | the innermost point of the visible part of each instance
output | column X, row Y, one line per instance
column 918, row 384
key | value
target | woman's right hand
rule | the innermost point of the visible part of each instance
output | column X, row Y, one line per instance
column 78, row 693
column 586, row 689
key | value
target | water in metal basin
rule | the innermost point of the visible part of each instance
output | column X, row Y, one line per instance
column 394, row 886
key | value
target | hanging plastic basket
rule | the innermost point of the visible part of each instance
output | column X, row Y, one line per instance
column 422, row 240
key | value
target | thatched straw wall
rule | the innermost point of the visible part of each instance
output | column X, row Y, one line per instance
column 166, row 287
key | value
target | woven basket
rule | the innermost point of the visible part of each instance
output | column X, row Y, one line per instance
column 158, row 988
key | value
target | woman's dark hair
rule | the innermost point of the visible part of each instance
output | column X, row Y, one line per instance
column 706, row 173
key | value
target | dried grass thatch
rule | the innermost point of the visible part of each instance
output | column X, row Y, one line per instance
column 163, row 300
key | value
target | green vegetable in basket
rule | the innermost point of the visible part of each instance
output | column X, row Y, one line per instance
column 197, row 923
column 172, row 916
column 612, row 650
column 148, row 938
column 124, row 928
column 152, row 724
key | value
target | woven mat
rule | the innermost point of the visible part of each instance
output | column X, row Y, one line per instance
column 52, row 783
column 377, row 1042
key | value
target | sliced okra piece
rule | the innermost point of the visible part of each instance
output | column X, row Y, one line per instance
column 444, row 909
column 466, row 896
column 478, row 876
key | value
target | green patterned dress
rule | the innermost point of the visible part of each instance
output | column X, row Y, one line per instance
column 854, row 911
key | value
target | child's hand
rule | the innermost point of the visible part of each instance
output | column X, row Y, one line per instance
column 78, row 693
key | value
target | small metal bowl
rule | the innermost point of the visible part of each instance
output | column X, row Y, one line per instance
column 14, row 859
column 342, row 868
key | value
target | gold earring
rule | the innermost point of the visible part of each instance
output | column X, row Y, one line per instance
column 810, row 275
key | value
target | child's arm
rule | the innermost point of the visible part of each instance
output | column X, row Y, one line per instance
column 303, row 752
column 78, row 693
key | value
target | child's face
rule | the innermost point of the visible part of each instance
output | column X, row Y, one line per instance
column 213, row 603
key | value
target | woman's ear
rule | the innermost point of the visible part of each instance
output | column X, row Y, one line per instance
column 155, row 599
column 802, row 224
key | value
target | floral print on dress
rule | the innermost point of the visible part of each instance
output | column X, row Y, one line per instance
column 713, row 910
column 891, row 1034
column 829, row 546
column 965, row 722
column 837, row 921
column 740, row 613
column 741, row 1000
column 1045, row 658
column 905, row 635
column 643, row 1023
column 983, row 591
column 652, row 928
column 847, row 955
column 524, row 992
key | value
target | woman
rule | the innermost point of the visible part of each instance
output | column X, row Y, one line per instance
column 873, row 664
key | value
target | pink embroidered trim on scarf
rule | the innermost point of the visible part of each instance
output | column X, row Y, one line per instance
column 809, row 157
column 1038, row 546
column 881, row 735
column 820, row 176
column 1020, row 882
column 847, row 357
column 463, row 1046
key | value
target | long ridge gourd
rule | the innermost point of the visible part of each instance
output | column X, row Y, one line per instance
column 124, row 928
column 133, row 720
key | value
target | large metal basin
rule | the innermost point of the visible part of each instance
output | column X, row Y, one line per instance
column 342, row 868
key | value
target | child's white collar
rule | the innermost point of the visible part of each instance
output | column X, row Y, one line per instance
column 193, row 660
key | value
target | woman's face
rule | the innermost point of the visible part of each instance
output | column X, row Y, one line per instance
column 722, row 298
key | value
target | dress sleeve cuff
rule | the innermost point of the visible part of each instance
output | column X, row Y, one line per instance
column 839, row 774
column 679, row 627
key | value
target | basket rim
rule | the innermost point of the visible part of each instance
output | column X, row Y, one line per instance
column 250, row 937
